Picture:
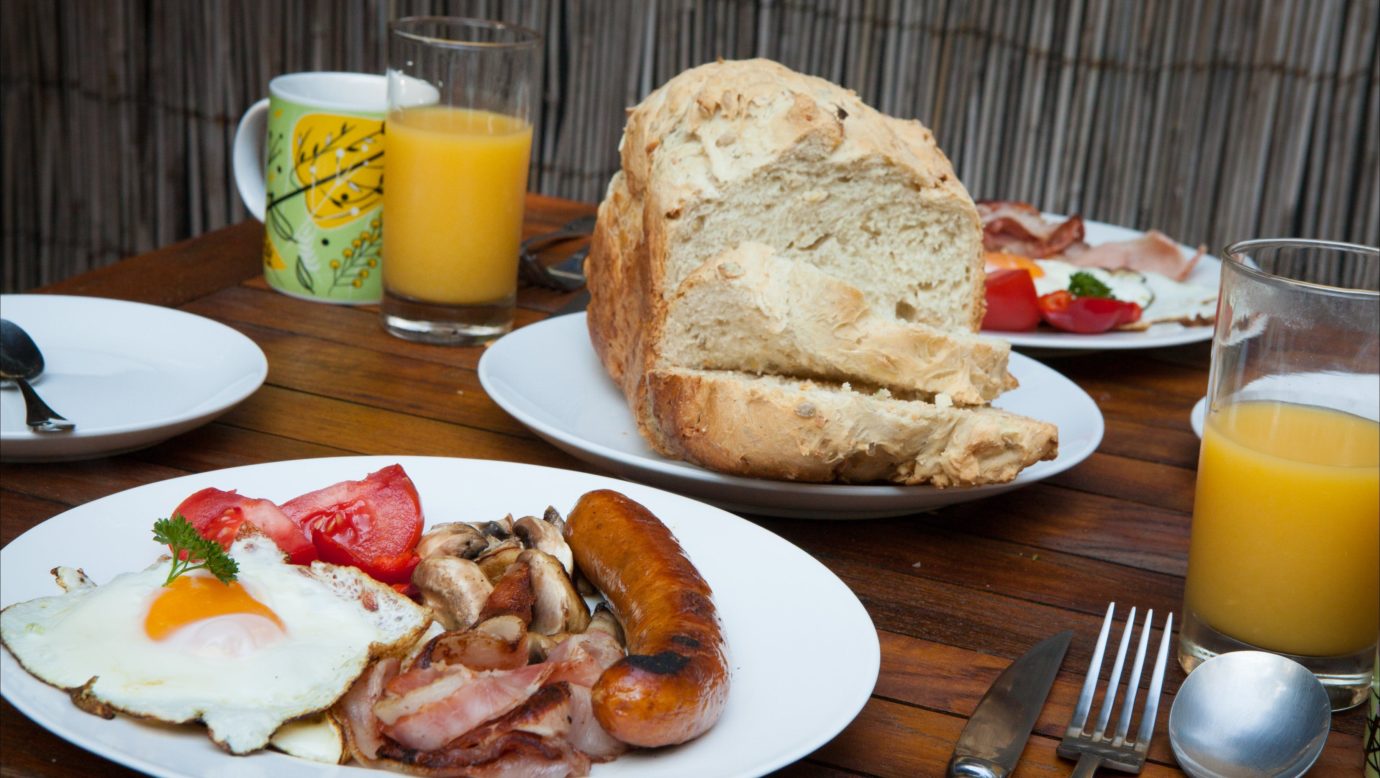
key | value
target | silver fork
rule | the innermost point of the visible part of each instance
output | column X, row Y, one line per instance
column 564, row 277
column 1098, row 748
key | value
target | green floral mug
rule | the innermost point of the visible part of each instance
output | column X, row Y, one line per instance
column 308, row 162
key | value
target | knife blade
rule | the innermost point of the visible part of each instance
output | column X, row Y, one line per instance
column 995, row 734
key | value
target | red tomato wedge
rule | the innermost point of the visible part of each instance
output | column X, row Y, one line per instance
column 1086, row 315
column 218, row 515
column 1011, row 302
column 373, row 524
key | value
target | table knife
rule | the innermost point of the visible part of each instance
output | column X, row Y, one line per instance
column 996, row 733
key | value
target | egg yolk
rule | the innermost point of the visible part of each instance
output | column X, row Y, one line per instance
column 190, row 599
column 1000, row 260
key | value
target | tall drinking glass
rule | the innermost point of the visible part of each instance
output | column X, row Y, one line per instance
column 1285, row 548
column 462, row 95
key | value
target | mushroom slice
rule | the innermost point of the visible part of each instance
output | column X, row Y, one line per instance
column 454, row 538
column 553, row 517
column 603, row 620
column 545, row 536
column 558, row 608
column 499, row 643
column 540, row 646
column 498, row 531
column 455, row 589
column 494, row 562
column 513, row 594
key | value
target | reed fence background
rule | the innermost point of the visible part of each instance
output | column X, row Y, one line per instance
column 1212, row 121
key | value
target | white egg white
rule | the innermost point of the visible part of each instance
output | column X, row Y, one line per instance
column 241, row 675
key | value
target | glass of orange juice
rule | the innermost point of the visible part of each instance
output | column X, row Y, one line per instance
column 1284, row 554
column 462, row 97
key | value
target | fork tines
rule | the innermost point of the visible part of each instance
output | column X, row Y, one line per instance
column 1097, row 746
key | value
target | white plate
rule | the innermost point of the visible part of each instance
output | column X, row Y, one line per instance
column 1197, row 415
column 1208, row 273
column 803, row 651
column 130, row 375
column 548, row 377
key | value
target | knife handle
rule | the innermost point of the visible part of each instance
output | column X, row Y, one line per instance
column 972, row 767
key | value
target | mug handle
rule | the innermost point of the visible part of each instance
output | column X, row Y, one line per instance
column 248, row 158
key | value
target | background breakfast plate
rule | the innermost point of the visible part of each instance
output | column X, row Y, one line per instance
column 791, row 690
column 1208, row 272
column 1197, row 415
column 548, row 377
column 129, row 374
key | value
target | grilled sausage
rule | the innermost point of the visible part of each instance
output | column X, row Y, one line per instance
column 673, row 684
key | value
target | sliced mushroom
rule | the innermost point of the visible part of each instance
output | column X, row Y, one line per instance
column 455, row 589
column 513, row 594
column 540, row 646
column 544, row 536
column 553, row 517
column 603, row 620
column 495, row 561
column 454, row 538
column 558, row 607
column 499, row 643
column 498, row 531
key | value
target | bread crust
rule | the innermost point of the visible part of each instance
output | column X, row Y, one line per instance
column 806, row 431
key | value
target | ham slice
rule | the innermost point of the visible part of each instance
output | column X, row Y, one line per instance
column 1019, row 228
column 355, row 710
column 1153, row 252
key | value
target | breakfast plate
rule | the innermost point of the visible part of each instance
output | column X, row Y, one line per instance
column 130, row 375
column 547, row 376
column 808, row 688
column 1206, row 273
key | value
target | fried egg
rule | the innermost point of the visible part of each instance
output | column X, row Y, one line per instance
column 1126, row 285
column 280, row 642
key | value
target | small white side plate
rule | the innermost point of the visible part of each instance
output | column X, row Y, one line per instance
column 548, row 377
column 128, row 374
column 803, row 653
column 1197, row 416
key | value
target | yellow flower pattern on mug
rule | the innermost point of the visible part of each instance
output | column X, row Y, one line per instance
column 339, row 162
column 358, row 259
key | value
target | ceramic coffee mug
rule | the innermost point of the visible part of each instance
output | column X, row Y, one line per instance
column 309, row 164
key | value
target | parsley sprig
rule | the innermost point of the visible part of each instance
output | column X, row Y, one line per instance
column 190, row 551
column 1088, row 285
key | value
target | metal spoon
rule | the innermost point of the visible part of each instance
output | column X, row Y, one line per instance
column 1249, row 713
column 20, row 361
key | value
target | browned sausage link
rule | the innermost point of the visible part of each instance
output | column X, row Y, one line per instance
column 673, row 684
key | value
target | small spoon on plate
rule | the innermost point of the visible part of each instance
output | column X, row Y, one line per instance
column 1249, row 713
column 20, row 362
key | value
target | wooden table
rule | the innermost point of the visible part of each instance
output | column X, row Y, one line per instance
column 956, row 594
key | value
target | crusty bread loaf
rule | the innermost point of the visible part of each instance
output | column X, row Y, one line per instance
column 747, row 309
column 776, row 427
column 856, row 217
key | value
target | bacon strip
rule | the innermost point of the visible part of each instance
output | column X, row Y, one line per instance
column 463, row 701
column 1019, row 228
column 355, row 710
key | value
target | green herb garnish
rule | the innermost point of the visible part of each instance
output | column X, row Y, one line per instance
column 1086, row 285
column 190, row 551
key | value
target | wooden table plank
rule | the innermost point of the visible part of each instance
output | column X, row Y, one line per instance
column 956, row 593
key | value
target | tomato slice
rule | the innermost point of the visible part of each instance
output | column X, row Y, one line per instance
column 218, row 515
column 1011, row 302
column 1086, row 315
column 373, row 524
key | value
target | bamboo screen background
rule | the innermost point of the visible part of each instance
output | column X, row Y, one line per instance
column 1213, row 121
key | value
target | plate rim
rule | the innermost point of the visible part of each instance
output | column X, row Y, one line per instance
column 893, row 494
column 864, row 664
column 25, row 445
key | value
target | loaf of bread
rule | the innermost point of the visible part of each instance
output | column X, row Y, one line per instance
column 786, row 283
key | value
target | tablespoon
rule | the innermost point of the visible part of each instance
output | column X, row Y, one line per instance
column 21, row 361
column 1249, row 713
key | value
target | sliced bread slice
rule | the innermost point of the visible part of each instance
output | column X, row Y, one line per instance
column 749, row 309
column 773, row 427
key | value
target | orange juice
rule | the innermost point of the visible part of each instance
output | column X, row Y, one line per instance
column 454, row 183
column 1285, row 549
